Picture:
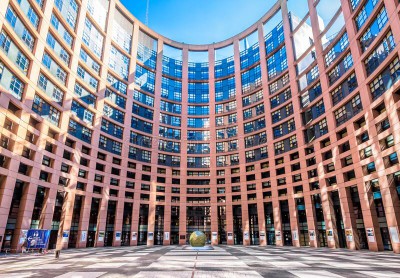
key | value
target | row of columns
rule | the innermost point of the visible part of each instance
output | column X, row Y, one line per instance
column 346, row 204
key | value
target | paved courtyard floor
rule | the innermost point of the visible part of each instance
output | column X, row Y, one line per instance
column 223, row 261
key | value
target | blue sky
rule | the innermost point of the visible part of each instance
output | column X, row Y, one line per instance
column 208, row 21
column 199, row 21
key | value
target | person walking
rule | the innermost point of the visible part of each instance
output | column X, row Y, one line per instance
column 23, row 247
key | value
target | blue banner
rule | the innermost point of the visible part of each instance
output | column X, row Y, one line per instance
column 36, row 239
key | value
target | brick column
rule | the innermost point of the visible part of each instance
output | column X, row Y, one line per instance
column 277, row 220
column 311, row 219
column 294, row 222
column 46, row 216
column 66, row 218
column 119, row 214
column 349, row 219
column 101, row 220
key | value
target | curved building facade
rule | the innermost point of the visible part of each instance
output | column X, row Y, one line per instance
column 285, row 134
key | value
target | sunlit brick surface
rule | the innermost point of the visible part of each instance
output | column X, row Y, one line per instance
column 285, row 134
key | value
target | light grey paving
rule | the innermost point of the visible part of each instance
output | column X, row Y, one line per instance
column 48, row 266
column 105, row 265
column 380, row 274
column 388, row 264
column 81, row 275
column 314, row 274
column 218, row 264
column 227, row 274
column 317, row 259
column 17, row 275
column 345, row 265
column 166, row 274
column 271, row 258
column 224, row 261
column 133, row 255
column 286, row 265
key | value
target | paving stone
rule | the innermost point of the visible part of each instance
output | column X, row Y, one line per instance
column 223, row 262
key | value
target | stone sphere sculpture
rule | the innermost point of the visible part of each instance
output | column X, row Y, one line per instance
column 197, row 239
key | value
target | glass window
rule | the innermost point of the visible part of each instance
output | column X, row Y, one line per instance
column 93, row 38
column 119, row 63
column 145, row 79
